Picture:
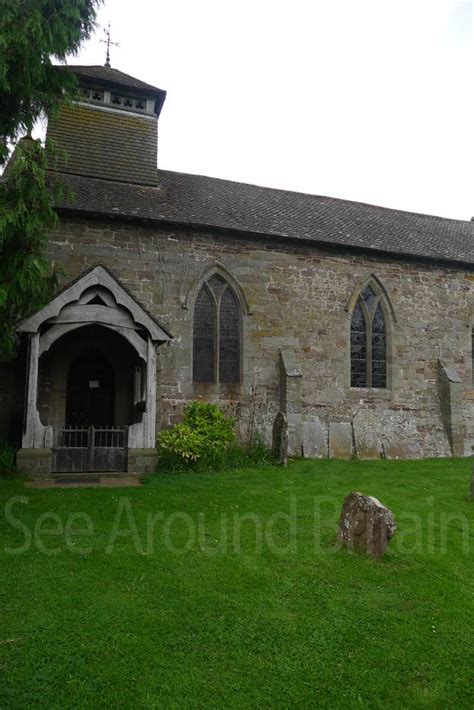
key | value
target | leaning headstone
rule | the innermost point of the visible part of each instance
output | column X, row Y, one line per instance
column 340, row 440
column 280, row 439
column 315, row 440
column 366, row 525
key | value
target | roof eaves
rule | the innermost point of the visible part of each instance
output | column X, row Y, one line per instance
column 336, row 246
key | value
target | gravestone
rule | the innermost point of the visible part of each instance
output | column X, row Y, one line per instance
column 340, row 440
column 315, row 442
column 401, row 449
column 450, row 389
column 280, row 439
column 366, row 525
column 367, row 440
column 290, row 397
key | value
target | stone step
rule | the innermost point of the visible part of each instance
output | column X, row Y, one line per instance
column 92, row 474
column 86, row 480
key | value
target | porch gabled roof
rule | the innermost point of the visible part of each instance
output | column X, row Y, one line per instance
column 103, row 277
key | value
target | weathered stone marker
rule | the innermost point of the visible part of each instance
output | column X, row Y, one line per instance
column 366, row 525
column 315, row 440
column 366, row 435
column 280, row 439
column 340, row 440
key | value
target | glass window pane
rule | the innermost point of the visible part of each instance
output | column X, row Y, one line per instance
column 358, row 348
column 204, row 338
column 379, row 350
column 368, row 296
column 229, row 338
column 217, row 284
column 378, row 323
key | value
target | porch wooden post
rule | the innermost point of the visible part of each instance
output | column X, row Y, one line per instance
column 33, row 436
column 150, row 423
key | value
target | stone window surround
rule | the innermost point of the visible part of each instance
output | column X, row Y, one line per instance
column 215, row 306
column 388, row 311
column 188, row 298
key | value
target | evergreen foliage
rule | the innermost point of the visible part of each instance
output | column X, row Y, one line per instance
column 33, row 34
column 27, row 279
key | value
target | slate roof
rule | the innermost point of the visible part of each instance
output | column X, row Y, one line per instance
column 180, row 198
column 108, row 75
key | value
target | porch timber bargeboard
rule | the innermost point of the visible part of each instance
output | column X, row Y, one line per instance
column 96, row 314
column 57, row 331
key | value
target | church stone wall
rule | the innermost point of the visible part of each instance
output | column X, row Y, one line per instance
column 298, row 296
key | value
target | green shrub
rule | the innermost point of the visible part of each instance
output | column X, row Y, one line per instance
column 202, row 440
column 7, row 461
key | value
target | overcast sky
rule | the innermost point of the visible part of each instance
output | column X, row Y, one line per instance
column 369, row 100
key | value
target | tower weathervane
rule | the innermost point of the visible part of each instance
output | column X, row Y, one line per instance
column 108, row 42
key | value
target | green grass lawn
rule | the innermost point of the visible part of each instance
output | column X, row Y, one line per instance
column 204, row 613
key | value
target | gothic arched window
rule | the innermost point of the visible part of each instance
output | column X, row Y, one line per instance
column 216, row 335
column 369, row 341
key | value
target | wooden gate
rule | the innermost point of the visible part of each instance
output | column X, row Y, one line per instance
column 95, row 449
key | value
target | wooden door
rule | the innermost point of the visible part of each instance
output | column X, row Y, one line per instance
column 90, row 397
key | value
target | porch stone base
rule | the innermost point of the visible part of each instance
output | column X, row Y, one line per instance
column 35, row 463
column 142, row 460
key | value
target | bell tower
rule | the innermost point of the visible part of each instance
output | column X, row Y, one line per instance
column 110, row 130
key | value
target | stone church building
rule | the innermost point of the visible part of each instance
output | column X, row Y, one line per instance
column 355, row 321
